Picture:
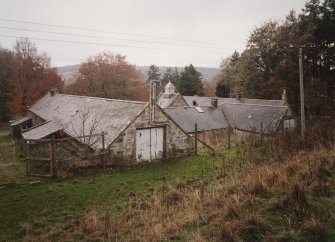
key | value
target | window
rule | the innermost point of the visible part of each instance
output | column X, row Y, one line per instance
column 289, row 124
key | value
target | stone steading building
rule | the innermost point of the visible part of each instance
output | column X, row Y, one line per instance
column 215, row 117
column 134, row 131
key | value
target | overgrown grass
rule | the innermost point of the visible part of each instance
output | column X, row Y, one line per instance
column 280, row 190
column 20, row 176
column 32, row 209
column 266, row 202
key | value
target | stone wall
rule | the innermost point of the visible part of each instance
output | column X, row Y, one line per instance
column 36, row 119
column 179, row 101
column 177, row 143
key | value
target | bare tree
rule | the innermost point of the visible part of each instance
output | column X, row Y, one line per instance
column 88, row 122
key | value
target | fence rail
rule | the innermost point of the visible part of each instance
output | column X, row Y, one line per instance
column 57, row 151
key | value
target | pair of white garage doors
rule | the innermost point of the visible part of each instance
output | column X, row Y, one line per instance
column 149, row 143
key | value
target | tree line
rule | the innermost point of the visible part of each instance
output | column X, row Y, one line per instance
column 268, row 65
column 270, row 62
column 25, row 75
column 188, row 82
column 109, row 75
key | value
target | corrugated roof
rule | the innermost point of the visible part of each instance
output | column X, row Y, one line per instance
column 186, row 117
column 42, row 130
column 19, row 121
column 81, row 115
column 250, row 116
column 206, row 101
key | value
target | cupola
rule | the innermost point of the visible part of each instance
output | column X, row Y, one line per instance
column 170, row 88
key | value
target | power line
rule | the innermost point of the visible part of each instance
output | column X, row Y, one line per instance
column 104, row 44
column 105, row 37
column 105, row 31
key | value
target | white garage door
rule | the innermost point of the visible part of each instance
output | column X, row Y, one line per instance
column 149, row 144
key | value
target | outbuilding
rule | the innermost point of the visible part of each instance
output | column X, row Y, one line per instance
column 218, row 118
column 134, row 131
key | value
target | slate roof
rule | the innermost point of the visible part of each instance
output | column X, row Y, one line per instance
column 246, row 115
column 186, row 117
column 42, row 130
column 19, row 121
column 81, row 115
column 165, row 100
column 206, row 101
column 249, row 117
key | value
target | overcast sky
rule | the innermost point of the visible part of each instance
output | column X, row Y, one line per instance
column 166, row 33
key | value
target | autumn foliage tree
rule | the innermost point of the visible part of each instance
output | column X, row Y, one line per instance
column 109, row 75
column 6, row 70
column 270, row 61
column 32, row 76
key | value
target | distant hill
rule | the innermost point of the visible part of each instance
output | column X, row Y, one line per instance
column 69, row 72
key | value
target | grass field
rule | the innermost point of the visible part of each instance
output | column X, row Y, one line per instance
column 274, row 191
column 48, row 203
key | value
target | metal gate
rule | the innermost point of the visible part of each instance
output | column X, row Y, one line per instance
column 149, row 144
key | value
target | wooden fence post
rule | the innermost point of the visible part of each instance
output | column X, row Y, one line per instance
column 53, row 161
column 261, row 132
column 107, row 225
column 228, row 137
column 195, row 139
column 223, row 168
column 103, row 150
column 14, row 162
column 26, row 155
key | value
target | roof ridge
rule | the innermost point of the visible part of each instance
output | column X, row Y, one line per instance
column 255, row 104
column 251, row 99
column 101, row 98
column 180, row 107
column 260, row 99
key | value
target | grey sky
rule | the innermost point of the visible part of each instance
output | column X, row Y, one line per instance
column 215, row 28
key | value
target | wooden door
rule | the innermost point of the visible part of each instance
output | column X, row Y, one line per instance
column 149, row 144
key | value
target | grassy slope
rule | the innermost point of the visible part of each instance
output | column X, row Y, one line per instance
column 290, row 200
column 39, row 207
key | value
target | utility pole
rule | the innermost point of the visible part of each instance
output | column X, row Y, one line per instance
column 302, row 98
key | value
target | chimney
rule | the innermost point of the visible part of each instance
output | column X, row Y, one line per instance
column 283, row 96
column 214, row 102
column 238, row 96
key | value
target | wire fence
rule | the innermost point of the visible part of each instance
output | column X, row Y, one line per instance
column 8, row 163
column 66, row 157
